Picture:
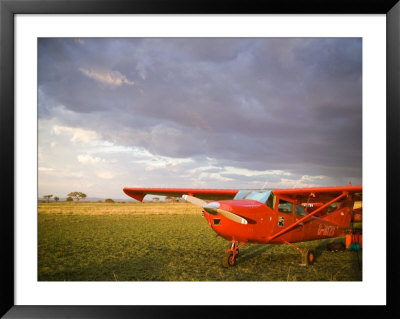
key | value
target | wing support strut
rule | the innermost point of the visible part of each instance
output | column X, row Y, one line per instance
column 294, row 246
column 308, row 216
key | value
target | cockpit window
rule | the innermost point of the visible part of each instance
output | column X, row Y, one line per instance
column 332, row 207
column 271, row 201
column 258, row 195
column 300, row 211
column 262, row 196
column 285, row 207
column 241, row 194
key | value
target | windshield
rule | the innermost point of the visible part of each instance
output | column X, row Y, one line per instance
column 258, row 195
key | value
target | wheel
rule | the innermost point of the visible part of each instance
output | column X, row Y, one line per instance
column 308, row 257
column 228, row 260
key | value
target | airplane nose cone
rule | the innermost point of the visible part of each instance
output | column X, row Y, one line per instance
column 212, row 207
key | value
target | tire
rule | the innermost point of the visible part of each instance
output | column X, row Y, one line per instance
column 308, row 257
column 228, row 260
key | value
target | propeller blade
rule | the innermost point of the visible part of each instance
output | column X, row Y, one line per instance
column 194, row 200
column 232, row 216
column 213, row 208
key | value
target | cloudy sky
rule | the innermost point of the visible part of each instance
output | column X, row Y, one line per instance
column 198, row 112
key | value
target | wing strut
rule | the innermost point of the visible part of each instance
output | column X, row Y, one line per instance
column 308, row 216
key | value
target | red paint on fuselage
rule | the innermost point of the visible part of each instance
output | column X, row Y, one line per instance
column 256, row 213
column 263, row 222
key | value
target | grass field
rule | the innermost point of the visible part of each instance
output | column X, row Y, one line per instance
column 166, row 242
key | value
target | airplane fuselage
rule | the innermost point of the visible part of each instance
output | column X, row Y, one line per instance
column 264, row 222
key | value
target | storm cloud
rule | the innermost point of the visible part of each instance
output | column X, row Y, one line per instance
column 289, row 105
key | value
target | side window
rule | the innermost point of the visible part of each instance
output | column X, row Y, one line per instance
column 332, row 207
column 285, row 207
column 271, row 201
column 300, row 211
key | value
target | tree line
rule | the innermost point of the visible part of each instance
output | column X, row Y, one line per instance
column 73, row 195
column 70, row 197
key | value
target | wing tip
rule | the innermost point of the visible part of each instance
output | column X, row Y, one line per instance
column 134, row 194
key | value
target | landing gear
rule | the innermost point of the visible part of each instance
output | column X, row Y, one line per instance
column 228, row 259
column 231, row 254
column 308, row 257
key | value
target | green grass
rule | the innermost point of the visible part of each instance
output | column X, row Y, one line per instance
column 166, row 242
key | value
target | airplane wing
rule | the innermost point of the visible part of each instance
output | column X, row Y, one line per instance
column 211, row 194
column 320, row 194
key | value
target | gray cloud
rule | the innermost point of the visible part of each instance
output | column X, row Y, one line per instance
column 273, row 103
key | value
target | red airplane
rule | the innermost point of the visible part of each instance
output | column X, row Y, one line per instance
column 278, row 216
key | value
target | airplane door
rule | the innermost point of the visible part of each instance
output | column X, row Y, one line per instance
column 298, row 231
column 285, row 214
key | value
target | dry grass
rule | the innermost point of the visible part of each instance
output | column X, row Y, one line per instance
column 97, row 209
column 166, row 242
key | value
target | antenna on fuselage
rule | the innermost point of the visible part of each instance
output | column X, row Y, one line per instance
column 265, row 184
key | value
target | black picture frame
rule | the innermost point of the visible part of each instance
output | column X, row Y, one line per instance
column 8, row 8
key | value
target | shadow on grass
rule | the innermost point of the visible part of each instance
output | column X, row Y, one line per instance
column 134, row 268
column 252, row 252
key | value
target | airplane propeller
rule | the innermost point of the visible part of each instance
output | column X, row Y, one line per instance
column 194, row 200
column 213, row 209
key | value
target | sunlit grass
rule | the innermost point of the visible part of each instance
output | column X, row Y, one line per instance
column 129, row 208
column 165, row 242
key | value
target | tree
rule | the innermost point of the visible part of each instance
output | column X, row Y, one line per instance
column 56, row 198
column 69, row 199
column 77, row 195
column 109, row 200
column 47, row 197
